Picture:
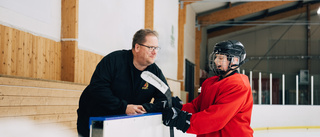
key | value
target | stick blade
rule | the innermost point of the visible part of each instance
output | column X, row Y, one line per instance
column 154, row 80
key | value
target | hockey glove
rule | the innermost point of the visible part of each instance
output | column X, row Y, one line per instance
column 155, row 107
column 176, row 118
column 176, row 102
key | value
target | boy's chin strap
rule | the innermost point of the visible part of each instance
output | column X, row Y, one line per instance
column 223, row 73
column 231, row 67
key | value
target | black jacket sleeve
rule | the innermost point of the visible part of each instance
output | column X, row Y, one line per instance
column 98, row 95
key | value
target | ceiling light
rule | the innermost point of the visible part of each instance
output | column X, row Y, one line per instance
column 318, row 11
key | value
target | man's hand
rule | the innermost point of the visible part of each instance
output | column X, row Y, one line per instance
column 176, row 118
column 135, row 109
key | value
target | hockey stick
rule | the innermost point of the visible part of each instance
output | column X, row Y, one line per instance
column 159, row 84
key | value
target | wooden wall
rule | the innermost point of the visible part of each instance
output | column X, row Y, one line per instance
column 26, row 55
column 40, row 100
column 86, row 63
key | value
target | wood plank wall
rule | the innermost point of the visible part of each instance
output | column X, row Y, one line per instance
column 86, row 63
column 40, row 100
column 26, row 55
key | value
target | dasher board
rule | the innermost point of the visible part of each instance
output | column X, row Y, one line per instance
column 143, row 125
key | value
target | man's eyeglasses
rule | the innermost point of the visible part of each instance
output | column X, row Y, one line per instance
column 151, row 48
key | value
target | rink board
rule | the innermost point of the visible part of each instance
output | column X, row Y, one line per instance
column 265, row 118
column 144, row 125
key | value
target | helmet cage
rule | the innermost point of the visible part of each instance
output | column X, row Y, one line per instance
column 230, row 58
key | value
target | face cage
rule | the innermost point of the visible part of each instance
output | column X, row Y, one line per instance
column 214, row 68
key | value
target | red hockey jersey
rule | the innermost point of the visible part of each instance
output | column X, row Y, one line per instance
column 223, row 109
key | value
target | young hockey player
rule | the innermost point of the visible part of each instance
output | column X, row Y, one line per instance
column 224, row 107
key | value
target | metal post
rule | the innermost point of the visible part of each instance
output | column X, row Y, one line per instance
column 311, row 90
column 251, row 80
column 270, row 88
column 283, row 88
column 297, row 90
column 260, row 89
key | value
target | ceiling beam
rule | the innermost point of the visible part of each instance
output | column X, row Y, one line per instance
column 238, row 11
column 264, row 20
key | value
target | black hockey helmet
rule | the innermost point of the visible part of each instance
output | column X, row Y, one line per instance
column 230, row 48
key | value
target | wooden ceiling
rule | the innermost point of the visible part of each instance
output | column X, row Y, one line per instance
column 248, row 14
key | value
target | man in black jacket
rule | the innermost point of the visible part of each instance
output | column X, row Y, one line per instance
column 116, row 86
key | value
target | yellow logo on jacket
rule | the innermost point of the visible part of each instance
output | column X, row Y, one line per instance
column 145, row 86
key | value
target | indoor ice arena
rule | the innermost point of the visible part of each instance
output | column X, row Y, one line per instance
column 160, row 68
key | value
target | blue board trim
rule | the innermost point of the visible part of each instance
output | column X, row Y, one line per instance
column 115, row 117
